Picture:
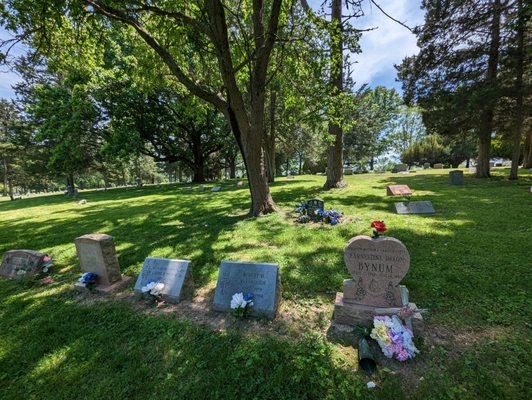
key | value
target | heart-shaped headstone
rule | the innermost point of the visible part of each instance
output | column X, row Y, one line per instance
column 377, row 267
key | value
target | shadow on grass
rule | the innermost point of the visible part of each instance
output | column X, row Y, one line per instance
column 59, row 349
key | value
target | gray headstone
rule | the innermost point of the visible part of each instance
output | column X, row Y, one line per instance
column 348, row 171
column 456, row 177
column 20, row 263
column 175, row 274
column 415, row 207
column 438, row 166
column 314, row 204
column 426, row 165
column 400, row 168
column 96, row 253
column 216, row 189
column 261, row 279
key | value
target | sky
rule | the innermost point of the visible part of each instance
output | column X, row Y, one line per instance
column 382, row 47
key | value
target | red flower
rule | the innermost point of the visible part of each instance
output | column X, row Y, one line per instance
column 379, row 226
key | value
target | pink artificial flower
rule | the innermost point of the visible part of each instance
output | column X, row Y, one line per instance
column 46, row 258
column 47, row 280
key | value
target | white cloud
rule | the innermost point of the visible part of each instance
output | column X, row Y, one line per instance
column 388, row 44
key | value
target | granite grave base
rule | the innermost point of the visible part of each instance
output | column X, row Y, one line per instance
column 105, row 289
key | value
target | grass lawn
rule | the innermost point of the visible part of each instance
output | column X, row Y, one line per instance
column 470, row 266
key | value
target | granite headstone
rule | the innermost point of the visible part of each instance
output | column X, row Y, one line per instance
column 400, row 168
column 313, row 205
column 438, row 166
column 96, row 253
column 456, row 177
column 175, row 274
column 261, row 279
column 20, row 263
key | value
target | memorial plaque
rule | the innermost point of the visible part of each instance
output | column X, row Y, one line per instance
column 398, row 190
column 175, row 274
column 261, row 279
column 96, row 253
column 20, row 263
column 415, row 207
column 377, row 267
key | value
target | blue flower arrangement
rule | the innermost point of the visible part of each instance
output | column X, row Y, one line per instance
column 88, row 279
column 331, row 217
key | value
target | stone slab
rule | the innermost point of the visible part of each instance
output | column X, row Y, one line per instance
column 175, row 274
column 358, row 314
column 377, row 267
column 415, row 207
column 19, row 263
column 398, row 190
column 97, row 254
column 261, row 279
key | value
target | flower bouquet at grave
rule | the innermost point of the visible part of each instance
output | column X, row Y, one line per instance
column 46, row 264
column 242, row 304
column 379, row 227
column 88, row 280
column 331, row 217
column 394, row 338
column 153, row 291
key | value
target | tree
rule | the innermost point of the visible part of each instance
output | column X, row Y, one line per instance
column 374, row 110
column 455, row 76
column 405, row 127
column 8, row 149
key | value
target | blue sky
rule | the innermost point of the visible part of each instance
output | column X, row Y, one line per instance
column 381, row 48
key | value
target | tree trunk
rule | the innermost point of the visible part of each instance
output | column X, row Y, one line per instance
column 198, row 174
column 269, row 140
column 371, row 164
column 71, row 189
column 287, row 166
column 5, row 176
column 519, row 115
column 335, row 168
column 232, row 167
column 486, row 116
column 10, row 188
column 527, row 160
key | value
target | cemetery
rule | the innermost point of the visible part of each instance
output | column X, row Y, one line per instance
column 307, row 286
column 267, row 199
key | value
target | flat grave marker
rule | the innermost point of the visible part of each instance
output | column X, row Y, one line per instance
column 175, row 274
column 415, row 207
column 398, row 190
column 261, row 279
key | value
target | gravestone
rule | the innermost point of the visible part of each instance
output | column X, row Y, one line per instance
column 201, row 188
column 240, row 184
column 426, row 165
column 398, row 190
column 456, row 177
column 438, row 166
column 400, row 168
column 290, row 177
column 492, row 164
column 377, row 266
column 20, row 263
column 348, row 171
column 261, row 279
column 96, row 253
column 216, row 189
column 313, row 205
column 175, row 274
column 414, row 207
column 472, row 170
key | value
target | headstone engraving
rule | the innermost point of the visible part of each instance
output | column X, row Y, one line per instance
column 398, row 190
column 456, row 177
column 96, row 253
column 175, row 274
column 261, row 279
column 20, row 263
column 377, row 266
column 414, row 207
column 438, row 166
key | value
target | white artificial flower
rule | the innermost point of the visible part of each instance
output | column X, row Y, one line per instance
column 237, row 301
column 371, row 385
column 148, row 287
column 157, row 288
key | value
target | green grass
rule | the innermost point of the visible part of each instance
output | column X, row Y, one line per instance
column 470, row 265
